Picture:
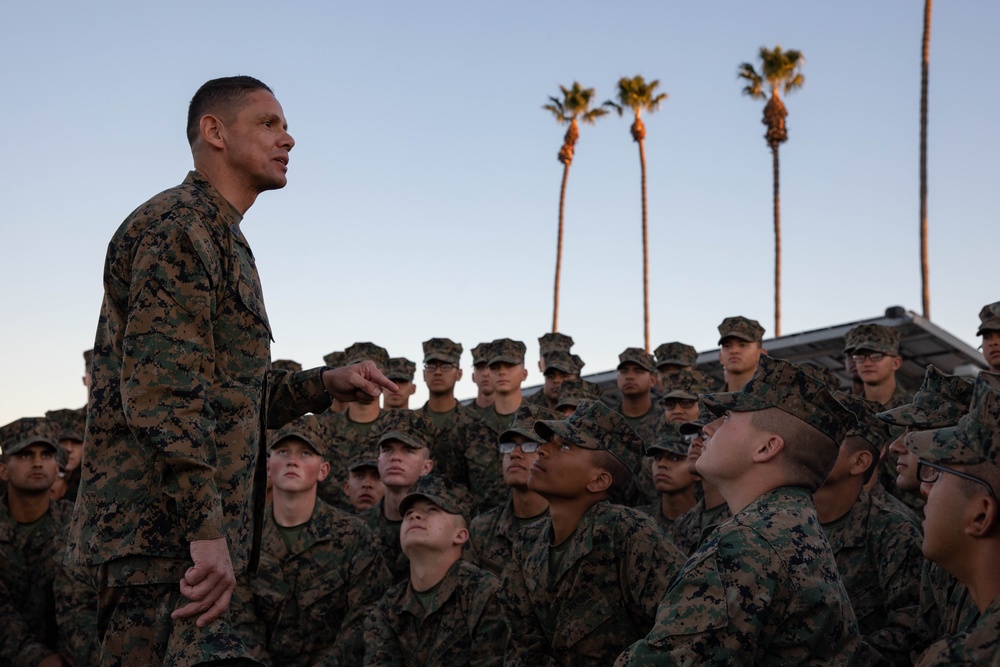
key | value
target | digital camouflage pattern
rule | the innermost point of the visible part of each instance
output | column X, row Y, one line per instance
column 286, row 365
column 400, row 368
column 307, row 604
column 306, row 428
column 669, row 440
column 742, row 328
column 637, row 356
column 366, row 351
column 876, row 432
column 571, row 392
column 345, row 441
column 46, row 607
column 450, row 496
column 676, row 354
column 551, row 342
column 875, row 338
column 693, row 527
column 879, row 558
column 461, row 624
column 491, row 537
column 481, row 354
column 71, row 423
column 506, row 351
column 523, row 423
column 762, row 590
column 386, row 533
column 976, row 437
column 686, row 383
column 27, row 431
column 781, row 384
column 825, row 375
column 946, row 607
column 850, row 340
column 568, row 363
column 442, row 349
column 596, row 426
column 179, row 388
column 977, row 645
column 335, row 359
column 989, row 318
column 602, row 596
column 940, row 401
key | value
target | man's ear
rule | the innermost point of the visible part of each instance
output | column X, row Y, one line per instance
column 461, row 536
column 601, row 481
column 324, row 471
column 984, row 519
column 768, row 448
column 862, row 461
column 3, row 472
column 212, row 131
column 459, row 375
column 896, row 363
column 427, row 467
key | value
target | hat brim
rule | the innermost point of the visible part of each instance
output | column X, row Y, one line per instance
column 437, row 356
column 988, row 326
column 523, row 432
column 679, row 393
column 505, row 359
column 308, row 438
column 912, row 416
column 739, row 336
column 677, row 449
column 951, row 444
column 623, row 364
column 733, row 401
column 367, row 463
column 873, row 346
column 441, row 502
column 404, row 437
column 549, row 428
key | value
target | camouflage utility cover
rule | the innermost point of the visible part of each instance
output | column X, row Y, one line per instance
column 596, row 426
column 506, row 351
column 450, row 496
column 677, row 354
column 551, row 342
column 989, row 318
column 335, row 359
column 941, row 401
column 742, row 328
column 637, row 356
column 286, row 365
column 524, row 420
column 19, row 434
column 686, row 384
column 876, row 338
column 571, row 392
column 976, row 437
column 400, row 368
column 366, row 351
column 670, row 440
column 563, row 361
column 442, row 349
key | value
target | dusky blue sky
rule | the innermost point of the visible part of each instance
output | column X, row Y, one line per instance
column 423, row 188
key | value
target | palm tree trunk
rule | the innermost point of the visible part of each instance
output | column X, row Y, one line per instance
column 925, row 66
column 559, row 244
column 645, row 247
column 777, row 244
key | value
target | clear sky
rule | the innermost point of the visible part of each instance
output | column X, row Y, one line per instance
column 423, row 188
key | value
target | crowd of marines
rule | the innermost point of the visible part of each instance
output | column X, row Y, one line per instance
column 775, row 518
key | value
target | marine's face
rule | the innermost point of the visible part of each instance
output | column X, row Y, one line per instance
column 561, row 469
column 440, row 377
column 74, row 453
column 481, row 376
column 517, row 464
column 906, row 465
column 294, row 466
column 553, row 380
column 727, row 451
column 943, row 522
column 991, row 349
column 680, row 410
column 739, row 356
column 634, row 380
column 507, row 378
column 876, row 372
column 695, row 448
column 32, row 470
column 400, row 398
column 258, row 143
column 425, row 524
column 363, row 488
column 670, row 472
column 401, row 464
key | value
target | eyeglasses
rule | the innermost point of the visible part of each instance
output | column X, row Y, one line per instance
column 443, row 366
column 859, row 357
column 686, row 403
column 929, row 472
column 527, row 447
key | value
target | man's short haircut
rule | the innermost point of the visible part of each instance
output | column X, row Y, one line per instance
column 221, row 97
column 619, row 473
column 809, row 455
column 987, row 472
column 855, row 443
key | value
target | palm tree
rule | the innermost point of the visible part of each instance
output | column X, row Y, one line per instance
column 573, row 107
column 780, row 73
column 639, row 96
column 925, row 66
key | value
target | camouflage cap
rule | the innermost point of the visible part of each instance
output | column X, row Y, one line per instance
column 400, row 368
column 480, row 354
column 876, row 337
column 523, row 423
column 450, row 496
column 408, row 426
column 637, row 356
column 551, row 342
column 875, row 431
column 781, row 384
column 571, row 392
column 286, row 365
column 989, row 318
column 686, row 384
column 976, row 437
column 305, row 428
column 88, row 358
column 825, row 375
column 442, row 349
column 596, row 426
column 27, row 431
column 695, row 425
column 742, row 328
column 669, row 439
column 563, row 361
column 506, row 351
column 71, row 423
column 335, row 359
column 362, row 455
column 366, row 351
column 678, row 354
column 941, row 401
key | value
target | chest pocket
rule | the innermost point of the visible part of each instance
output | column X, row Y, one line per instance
column 581, row 618
column 248, row 285
column 695, row 604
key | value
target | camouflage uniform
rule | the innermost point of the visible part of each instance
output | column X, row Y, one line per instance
column 345, row 440
column 694, row 526
column 670, row 441
column 492, row 534
column 615, row 569
column 879, row 558
column 646, row 425
column 977, row 645
column 461, row 625
column 945, row 608
column 762, row 590
column 307, row 604
column 387, row 534
column 73, row 423
column 675, row 354
column 571, row 392
column 561, row 360
column 180, row 385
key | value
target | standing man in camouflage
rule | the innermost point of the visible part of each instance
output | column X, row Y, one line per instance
column 675, row 485
column 764, row 587
column 740, row 347
column 171, row 500
column 989, row 329
column 876, row 355
column 673, row 357
column 400, row 370
column 481, row 376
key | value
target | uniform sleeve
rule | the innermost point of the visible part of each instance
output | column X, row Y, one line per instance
column 168, row 365
column 652, row 561
column 291, row 395
column 526, row 643
column 382, row 647
column 76, row 613
column 245, row 621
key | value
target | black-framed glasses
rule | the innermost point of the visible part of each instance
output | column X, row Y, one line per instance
column 685, row 403
column 930, row 472
column 528, row 447
column 443, row 366
column 859, row 357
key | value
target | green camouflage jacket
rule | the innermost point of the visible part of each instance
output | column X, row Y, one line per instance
column 879, row 557
column 460, row 626
column 653, row 510
column 762, row 590
column 345, row 439
column 178, row 387
column 602, row 596
column 491, row 537
column 979, row 644
column 946, row 608
column 306, row 606
column 690, row 529
column 387, row 534
column 45, row 606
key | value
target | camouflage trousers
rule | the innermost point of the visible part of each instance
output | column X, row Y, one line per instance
column 135, row 625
